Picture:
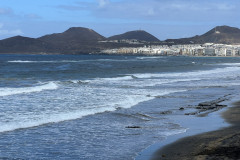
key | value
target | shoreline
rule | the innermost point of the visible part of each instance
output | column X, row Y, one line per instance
column 107, row 54
column 219, row 144
column 196, row 124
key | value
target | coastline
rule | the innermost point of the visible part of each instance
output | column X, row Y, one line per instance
column 220, row 144
column 112, row 54
column 151, row 113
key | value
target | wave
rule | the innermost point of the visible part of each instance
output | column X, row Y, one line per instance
column 48, row 119
column 103, row 80
column 230, row 64
column 174, row 132
column 150, row 57
column 13, row 91
column 153, row 79
column 154, row 82
column 128, row 77
column 63, row 61
column 78, row 81
column 188, row 74
column 29, row 120
column 20, row 61
column 129, row 81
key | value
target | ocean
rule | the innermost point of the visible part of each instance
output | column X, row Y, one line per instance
column 100, row 106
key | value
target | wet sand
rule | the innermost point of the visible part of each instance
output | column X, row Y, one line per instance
column 222, row 144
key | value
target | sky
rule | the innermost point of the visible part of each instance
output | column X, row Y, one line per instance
column 162, row 18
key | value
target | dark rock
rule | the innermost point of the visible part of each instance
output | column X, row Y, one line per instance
column 166, row 112
column 210, row 106
column 221, row 106
column 192, row 113
column 181, row 108
column 206, row 103
column 199, row 107
column 133, row 127
column 118, row 108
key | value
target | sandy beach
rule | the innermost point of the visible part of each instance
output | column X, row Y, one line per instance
column 217, row 145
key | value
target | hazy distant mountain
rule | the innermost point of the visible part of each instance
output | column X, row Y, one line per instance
column 219, row 34
column 76, row 40
column 19, row 44
column 138, row 35
column 73, row 35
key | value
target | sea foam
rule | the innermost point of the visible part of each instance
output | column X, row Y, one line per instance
column 30, row 120
column 61, row 61
column 189, row 74
column 13, row 91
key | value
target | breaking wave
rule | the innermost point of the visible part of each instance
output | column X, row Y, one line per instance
column 190, row 74
column 13, row 91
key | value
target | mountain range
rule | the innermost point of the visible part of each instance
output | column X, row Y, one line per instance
column 138, row 35
column 219, row 34
column 78, row 40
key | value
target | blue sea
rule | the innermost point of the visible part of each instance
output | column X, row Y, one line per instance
column 98, row 107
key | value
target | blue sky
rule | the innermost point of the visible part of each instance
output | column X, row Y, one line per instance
column 162, row 18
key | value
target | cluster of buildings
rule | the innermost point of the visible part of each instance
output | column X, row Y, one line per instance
column 208, row 49
column 126, row 41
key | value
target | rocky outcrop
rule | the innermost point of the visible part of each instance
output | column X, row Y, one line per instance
column 204, row 108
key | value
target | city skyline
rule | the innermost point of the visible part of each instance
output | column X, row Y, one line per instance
column 164, row 19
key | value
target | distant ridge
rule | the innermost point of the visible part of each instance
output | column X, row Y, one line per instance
column 219, row 34
column 20, row 44
column 75, row 40
column 138, row 35
column 73, row 35
column 79, row 40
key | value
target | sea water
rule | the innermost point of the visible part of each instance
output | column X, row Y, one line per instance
column 101, row 107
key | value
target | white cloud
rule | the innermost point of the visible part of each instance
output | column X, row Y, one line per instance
column 224, row 6
column 32, row 16
column 151, row 12
column 154, row 9
column 102, row 3
column 1, row 25
column 9, row 32
column 6, row 11
column 171, row 10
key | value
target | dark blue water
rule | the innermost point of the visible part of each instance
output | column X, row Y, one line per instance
column 81, row 107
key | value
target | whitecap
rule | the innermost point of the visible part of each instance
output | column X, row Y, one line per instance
column 23, row 90
column 189, row 74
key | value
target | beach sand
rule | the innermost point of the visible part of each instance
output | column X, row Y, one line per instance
column 222, row 144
